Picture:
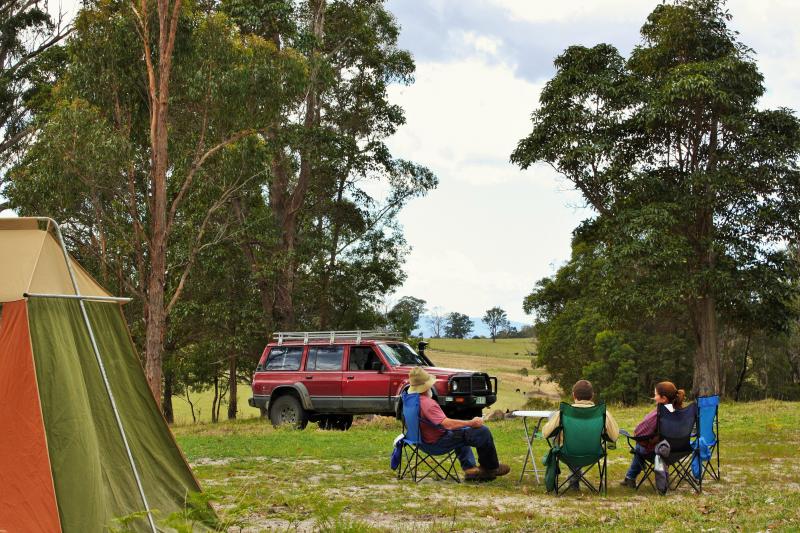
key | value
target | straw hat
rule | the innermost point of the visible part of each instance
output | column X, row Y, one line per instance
column 420, row 380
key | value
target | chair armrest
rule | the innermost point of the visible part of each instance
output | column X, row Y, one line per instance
column 624, row 432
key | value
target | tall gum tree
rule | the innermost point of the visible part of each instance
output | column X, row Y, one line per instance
column 154, row 95
column 695, row 186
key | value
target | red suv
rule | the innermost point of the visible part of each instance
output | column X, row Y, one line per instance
column 327, row 377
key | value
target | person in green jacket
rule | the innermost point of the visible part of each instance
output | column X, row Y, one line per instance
column 582, row 396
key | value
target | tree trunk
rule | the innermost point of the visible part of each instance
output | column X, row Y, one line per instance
column 214, row 410
column 156, row 313
column 232, row 395
column 743, row 372
column 706, row 359
column 287, row 205
column 158, row 79
column 166, row 403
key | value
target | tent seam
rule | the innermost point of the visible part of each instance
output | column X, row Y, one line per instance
column 41, row 413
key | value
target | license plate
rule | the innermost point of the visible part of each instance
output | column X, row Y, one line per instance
column 480, row 400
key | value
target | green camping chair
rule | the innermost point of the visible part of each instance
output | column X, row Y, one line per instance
column 583, row 445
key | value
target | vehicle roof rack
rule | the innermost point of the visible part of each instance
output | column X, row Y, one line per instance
column 333, row 336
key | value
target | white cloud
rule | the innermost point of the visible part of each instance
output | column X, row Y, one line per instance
column 566, row 10
column 481, row 43
column 464, row 119
column 490, row 230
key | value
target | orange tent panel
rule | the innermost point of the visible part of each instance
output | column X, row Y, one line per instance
column 27, row 496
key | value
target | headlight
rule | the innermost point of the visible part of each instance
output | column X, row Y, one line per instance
column 454, row 385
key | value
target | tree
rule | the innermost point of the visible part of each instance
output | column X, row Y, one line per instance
column 458, row 326
column 694, row 186
column 322, row 156
column 497, row 320
column 132, row 168
column 29, row 58
column 405, row 314
column 437, row 320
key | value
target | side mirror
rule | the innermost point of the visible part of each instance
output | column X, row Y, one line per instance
column 377, row 365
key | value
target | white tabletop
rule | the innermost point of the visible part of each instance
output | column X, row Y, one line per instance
column 533, row 414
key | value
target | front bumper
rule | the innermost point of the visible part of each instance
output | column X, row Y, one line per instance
column 258, row 402
column 464, row 401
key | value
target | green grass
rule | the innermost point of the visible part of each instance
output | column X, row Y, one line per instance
column 264, row 479
column 499, row 348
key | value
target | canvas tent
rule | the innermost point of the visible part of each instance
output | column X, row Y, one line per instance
column 82, row 440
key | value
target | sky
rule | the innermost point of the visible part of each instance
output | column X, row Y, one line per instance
column 490, row 230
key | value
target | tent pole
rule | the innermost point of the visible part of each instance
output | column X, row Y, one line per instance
column 81, row 299
column 77, row 297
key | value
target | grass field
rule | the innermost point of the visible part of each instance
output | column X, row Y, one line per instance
column 261, row 478
column 500, row 348
column 314, row 480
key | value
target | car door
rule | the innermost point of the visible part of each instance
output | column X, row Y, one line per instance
column 280, row 367
column 365, row 388
column 323, row 377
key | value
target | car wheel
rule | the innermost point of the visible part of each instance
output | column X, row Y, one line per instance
column 336, row 422
column 343, row 422
column 287, row 410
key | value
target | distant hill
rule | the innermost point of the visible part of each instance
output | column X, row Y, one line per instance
column 478, row 327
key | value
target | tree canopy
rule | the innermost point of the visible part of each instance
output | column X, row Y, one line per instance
column 695, row 187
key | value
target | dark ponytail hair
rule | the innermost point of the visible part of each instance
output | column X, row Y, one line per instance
column 672, row 393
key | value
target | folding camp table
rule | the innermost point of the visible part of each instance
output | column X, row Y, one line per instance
column 529, row 436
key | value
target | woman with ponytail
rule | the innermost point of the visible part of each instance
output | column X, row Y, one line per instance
column 672, row 397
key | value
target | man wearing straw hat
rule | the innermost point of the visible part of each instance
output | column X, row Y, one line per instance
column 460, row 435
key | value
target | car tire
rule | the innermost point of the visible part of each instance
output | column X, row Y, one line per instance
column 287, row 410
column 336, row 422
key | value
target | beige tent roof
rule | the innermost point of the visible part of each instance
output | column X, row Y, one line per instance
column 31, row 261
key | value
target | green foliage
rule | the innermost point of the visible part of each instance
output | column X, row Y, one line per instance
column 497, row 320
column 613, row 371
column 696, row 190
column 242, row 72
column 457, row 326
column 405, row 314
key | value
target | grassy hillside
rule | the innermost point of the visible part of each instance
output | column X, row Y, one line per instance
column 267, row 479
column 499, row 348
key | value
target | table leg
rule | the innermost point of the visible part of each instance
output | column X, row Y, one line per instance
column 529, row 452
column 533, row 459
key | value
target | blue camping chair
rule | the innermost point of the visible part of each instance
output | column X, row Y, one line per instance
column 678, row 428
column 707, row 441
column 417, row 454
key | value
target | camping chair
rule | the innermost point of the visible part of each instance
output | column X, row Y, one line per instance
column 707, row 441
column 418, row 454
column 677, row 428
column 583, row 445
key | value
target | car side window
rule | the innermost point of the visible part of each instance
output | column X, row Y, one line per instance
column 284, row 358
column 325, row 358
column 362, row 358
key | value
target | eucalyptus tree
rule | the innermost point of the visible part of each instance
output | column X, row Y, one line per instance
column 318, row 206
column 496, row 319
column 695, row 186
column 29, row 55
column 130, row 152
column 458, row 326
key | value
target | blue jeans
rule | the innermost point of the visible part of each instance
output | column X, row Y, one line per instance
column 462, row 441
column 637, row 464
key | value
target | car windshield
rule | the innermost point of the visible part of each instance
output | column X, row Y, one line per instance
column 401, row 354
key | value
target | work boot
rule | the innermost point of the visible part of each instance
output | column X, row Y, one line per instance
column 472, row 473
column 501, row 470
column 628, row 482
